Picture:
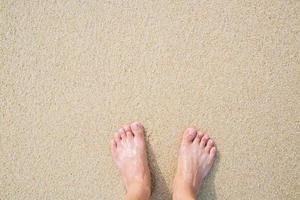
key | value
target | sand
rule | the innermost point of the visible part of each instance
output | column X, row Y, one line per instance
column 72, row 72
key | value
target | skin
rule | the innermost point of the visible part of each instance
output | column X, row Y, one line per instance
column 196, row 157
column 129, row 153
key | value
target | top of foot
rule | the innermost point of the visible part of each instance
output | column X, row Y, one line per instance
column 129, row 153
column 196, row 157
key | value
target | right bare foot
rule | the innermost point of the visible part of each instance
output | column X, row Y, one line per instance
column 196, row 157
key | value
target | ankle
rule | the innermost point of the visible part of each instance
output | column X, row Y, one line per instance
column 182, row 192
column 183, row 196
column 138, row 191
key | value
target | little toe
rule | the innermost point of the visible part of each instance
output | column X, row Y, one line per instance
column 113, row 147
column 204, row 140
column 189, row 135
column 117, row 138
column 137, row 129
column 209, row 145
column 212, row 153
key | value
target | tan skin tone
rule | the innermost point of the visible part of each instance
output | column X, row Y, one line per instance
column 196, row 157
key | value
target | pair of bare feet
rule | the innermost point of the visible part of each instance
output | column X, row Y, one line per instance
column 196, row 157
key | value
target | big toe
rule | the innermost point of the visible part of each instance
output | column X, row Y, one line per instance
column 189, row 135
column 137, row 129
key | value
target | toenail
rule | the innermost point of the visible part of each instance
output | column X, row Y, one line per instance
column 135, row 125
column 191, row 131
column 121, row 130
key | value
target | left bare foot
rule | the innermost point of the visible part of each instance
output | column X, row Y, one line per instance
column 129, row 153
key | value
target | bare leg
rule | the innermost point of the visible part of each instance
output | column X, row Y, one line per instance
column 129, row 153
column 196, row 157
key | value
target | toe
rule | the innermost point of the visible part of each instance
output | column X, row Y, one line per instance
column 209, row 145
column 212, row 153
column 137, row 129
column 204, row 140
column 128, row 131
column 129, row 134
column 126, row 128
column 113, row 147
column 122, row 133
column 189, row 135
column 199, row 137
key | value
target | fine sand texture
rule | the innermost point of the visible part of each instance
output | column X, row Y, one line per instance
column 73, row 72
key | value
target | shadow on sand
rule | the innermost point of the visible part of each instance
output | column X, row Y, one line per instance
column 159, row 187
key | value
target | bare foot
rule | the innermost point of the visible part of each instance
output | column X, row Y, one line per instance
column 196, row 157
column 129, row 153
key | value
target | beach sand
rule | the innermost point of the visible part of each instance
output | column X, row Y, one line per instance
column 73, row 72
